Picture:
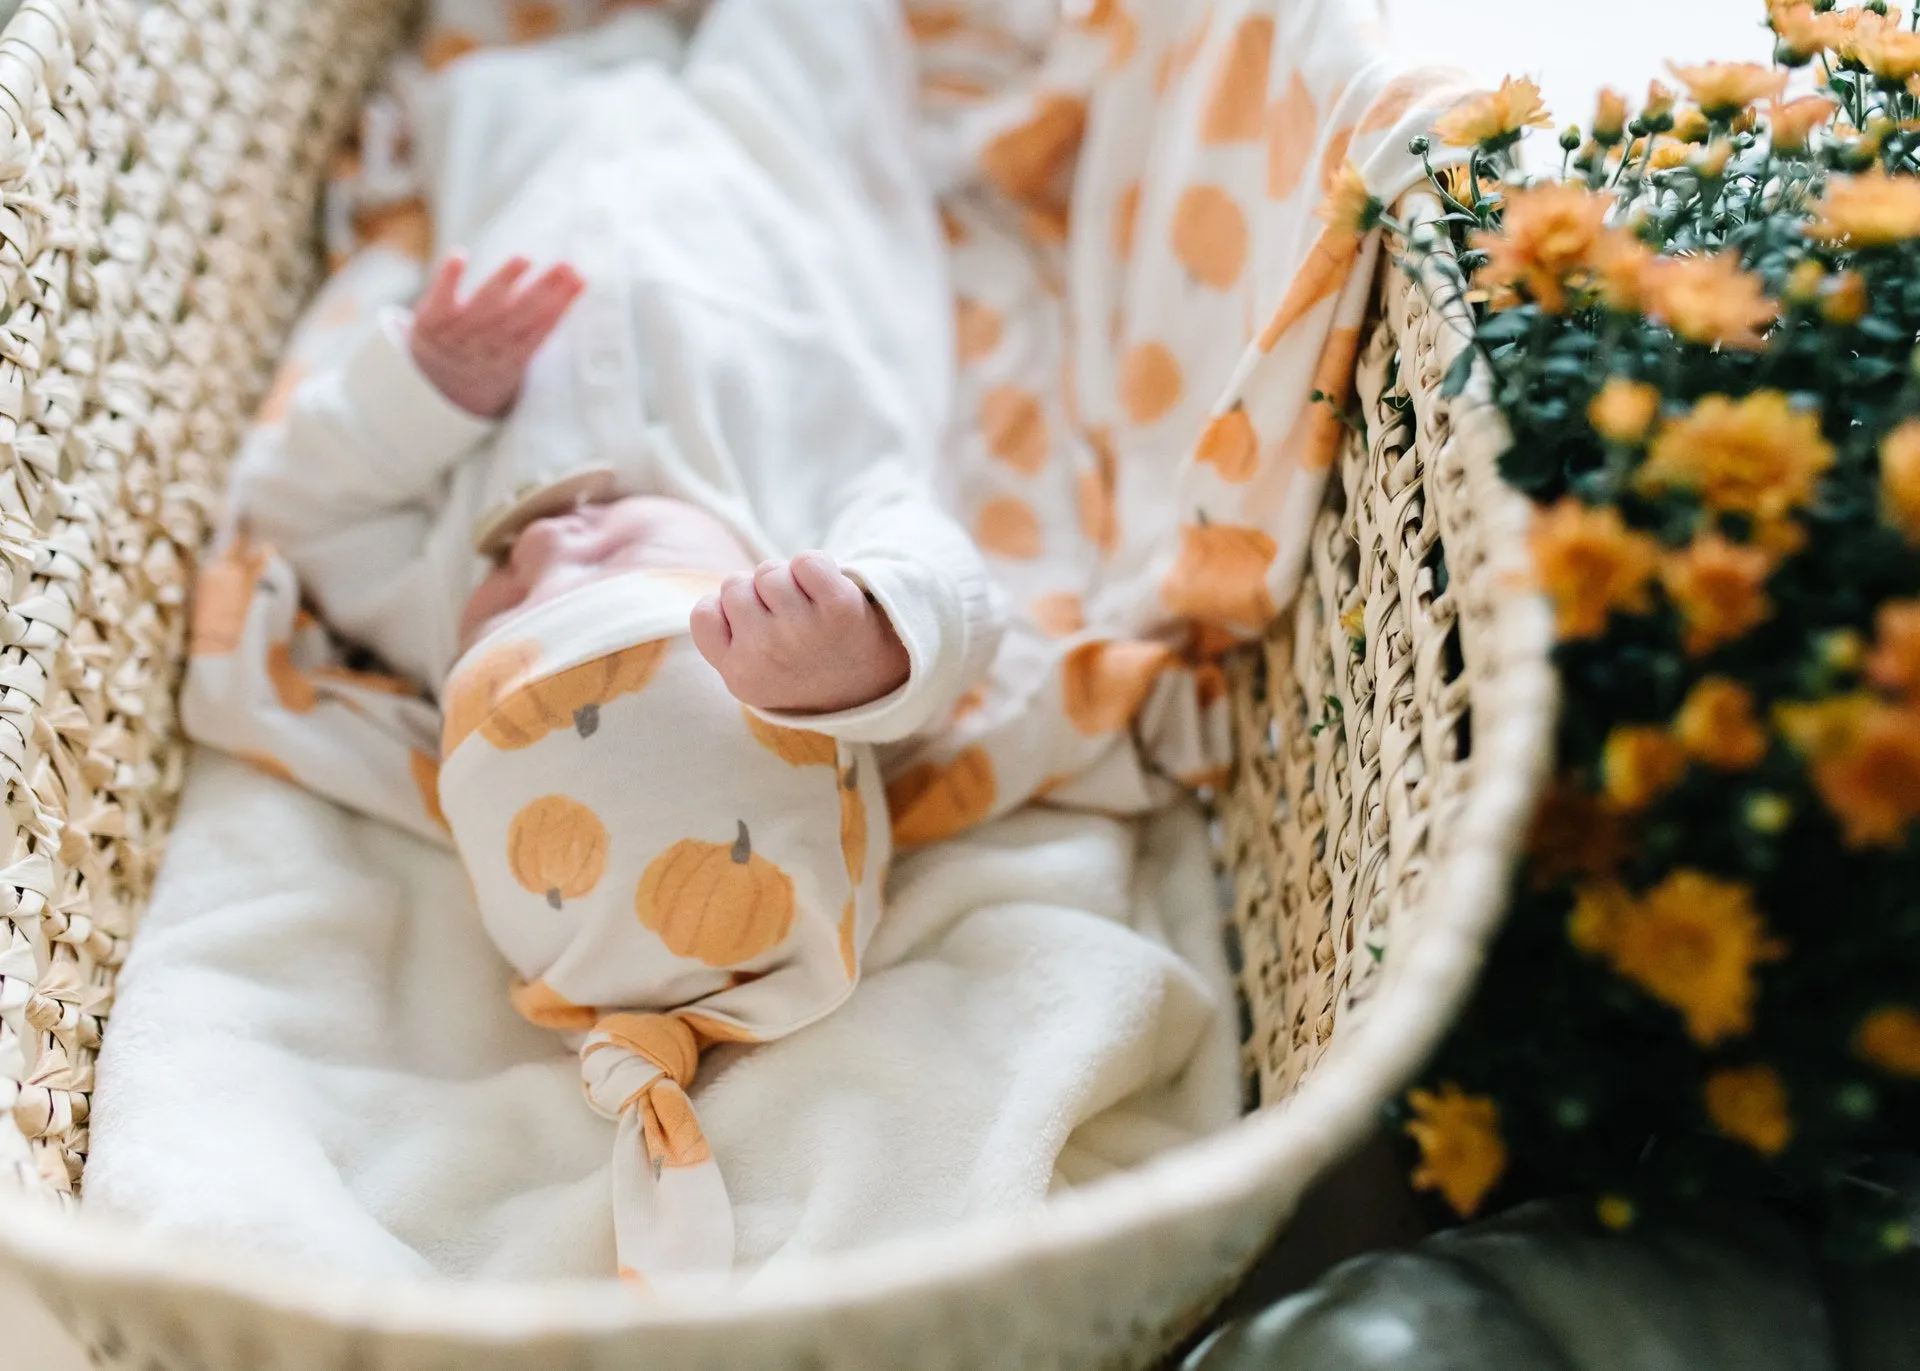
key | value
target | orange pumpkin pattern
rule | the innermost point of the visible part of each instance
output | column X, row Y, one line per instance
column 716, row 903
column 1028, row 161
column 291, row 686
column 1007, row 526
column 1150, row 383
column 426, row 779
column 1238, row 96
column 1221, row 575
column 544, row 1007
column 1210, row 236
column 853, row 824
column 572, row 698
column 672, row 1135
column 977, row 329
column 1104, row 684
column 849, row 957
column 1230, row 445
column 935, row 800
column 557, row 848
column 222, row 596
column 479, row 686
column 1015, row 427
column 794, row 746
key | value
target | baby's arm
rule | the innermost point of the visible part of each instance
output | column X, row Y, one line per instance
column 347, row 488
column 873, row 639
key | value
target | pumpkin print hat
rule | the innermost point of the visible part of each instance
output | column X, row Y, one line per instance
column 664, row 870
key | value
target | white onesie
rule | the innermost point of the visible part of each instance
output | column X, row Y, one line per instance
column 765, row 332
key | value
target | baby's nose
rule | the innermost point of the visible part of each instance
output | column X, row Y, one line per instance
column 545, row 542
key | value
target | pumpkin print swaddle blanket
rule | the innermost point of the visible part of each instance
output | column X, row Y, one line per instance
column 663, row 869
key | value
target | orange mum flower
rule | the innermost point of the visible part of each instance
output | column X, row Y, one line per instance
column 1719, row 589
column 1692, row 943
column 1900, row 479
column 1573, row 834
column 1497, row 119
column 1890, row 1039
column 1871, row 781
column 1624, row 410
column 1868, row 211
column 1723, row 89
column 1792, row 124
column 1461, row 1152
column 1592, row 565
column 1639, row 764
column 1757, row 456
column 1609, row 118
column 1895, row 664
column 1711, row 300
column 1547, row 239
column 1749, row 1105
column 1719, row 725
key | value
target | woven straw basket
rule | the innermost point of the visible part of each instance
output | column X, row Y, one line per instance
column 160, row 165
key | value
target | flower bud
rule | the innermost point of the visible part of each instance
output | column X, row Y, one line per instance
column 1419, row 145
column 1570, row 138
column 1609, row 118
column 1768, row 813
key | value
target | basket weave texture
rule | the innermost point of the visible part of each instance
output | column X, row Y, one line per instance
column 160, row 167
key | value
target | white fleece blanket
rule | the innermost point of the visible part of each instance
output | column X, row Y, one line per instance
column 313, row 1054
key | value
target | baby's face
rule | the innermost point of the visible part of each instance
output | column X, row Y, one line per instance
column 564, row 551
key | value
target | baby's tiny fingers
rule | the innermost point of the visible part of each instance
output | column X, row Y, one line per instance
column 497, row 289
column 778, row 590
column 741, row 599
column 708, row 624
column 441, row 291
column 820, row 577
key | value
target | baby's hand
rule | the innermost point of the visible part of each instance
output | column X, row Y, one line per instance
column 800, row 637
column 476, row 353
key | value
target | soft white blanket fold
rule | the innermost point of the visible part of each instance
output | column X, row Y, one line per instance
column 313, row 1054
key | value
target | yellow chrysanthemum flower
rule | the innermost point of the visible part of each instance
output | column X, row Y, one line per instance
column 1639, row 764
column 1900, row 479
column 1792, row 124
column 1868, row 211
column 1711, row 300
column 1622, row 267
column 1667, row 155
column 1757, row 455
column 1623, row 411
column 1349, row 204
column 1890, row 1039
column 1818, row 729
column 1894, row 665
column 1462, row 1154
column 1546, row 240
column 1871, row 782
column 1592, row 565
column 1805, row 33
column 1723, row 89
column 1720, row 726
column 1692, row 943
column 1496, row 119
column 1691, row 125
column 1749, row 1105
column 1718, row 587
column 1889, row 54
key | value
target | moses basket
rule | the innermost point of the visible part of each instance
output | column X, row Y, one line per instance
column 160, row 167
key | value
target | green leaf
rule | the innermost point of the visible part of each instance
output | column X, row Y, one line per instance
column 1457, row 374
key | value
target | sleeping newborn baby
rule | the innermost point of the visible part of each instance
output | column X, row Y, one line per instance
column 654, row 526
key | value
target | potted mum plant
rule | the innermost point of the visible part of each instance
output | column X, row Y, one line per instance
column 1702, row 332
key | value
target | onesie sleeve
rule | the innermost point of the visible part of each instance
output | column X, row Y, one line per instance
column 927, row 575
column 345, row 489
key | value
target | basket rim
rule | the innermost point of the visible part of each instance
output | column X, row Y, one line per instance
column 1260, row 1164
